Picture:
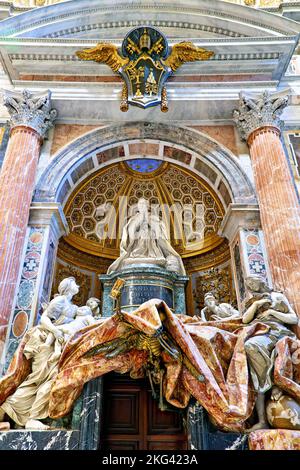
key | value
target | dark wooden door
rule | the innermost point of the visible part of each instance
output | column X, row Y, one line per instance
column 133, row 421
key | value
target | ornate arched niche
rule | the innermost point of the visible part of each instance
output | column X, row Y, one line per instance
column 94, row 212
column 201, row 165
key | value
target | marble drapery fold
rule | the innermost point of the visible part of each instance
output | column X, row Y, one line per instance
column 212, row 366
column 274, row 439
column 31, row 399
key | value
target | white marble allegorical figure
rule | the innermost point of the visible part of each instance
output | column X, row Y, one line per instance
column 60, row 320
column 145, row 241
column 215, row 311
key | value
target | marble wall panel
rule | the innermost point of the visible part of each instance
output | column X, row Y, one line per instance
column 249, row 257
column 39, row 440
column 239, row 273
column 205, row 170
column 203, row 435
column 64, row 190
column 110, row 154
column 177, row 154
column 255, row 252
column 291, row 141
column 143, row 149
column 223, row 134
column 65, row 133
column 82, row 169
column 224, row 192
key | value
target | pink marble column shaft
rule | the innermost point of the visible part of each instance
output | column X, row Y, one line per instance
column 17, row 179
column 279, row 210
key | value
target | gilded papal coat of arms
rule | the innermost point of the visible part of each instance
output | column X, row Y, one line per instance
column 145, row 63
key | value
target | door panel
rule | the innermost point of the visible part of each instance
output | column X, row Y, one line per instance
column 167, row 445
column 123, row 412
column 133, row 420
column 162, row 422
column 122, row 445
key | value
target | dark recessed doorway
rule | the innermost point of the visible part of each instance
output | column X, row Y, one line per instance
column 133, row 420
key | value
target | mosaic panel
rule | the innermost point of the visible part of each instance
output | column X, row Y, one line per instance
column 144, row 165
column 28, row 282
column 255, row 254
column 26, row 291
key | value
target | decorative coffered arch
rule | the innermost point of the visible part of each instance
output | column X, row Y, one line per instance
column 180, row 145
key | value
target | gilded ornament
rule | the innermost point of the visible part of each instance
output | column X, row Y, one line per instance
column 164, row 100
column 104, row 53
column 145, row 63
column 186, row 52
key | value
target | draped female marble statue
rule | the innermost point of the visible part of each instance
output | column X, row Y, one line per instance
column 273, row 310
column 214, row 311
column 145, row 241
column 29, row 403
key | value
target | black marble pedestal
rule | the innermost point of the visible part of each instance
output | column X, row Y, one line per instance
column 84, row 435
column 39, row 440
column 203, row 435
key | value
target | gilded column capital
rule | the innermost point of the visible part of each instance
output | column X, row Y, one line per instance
column 258, row 111
column 31, row 110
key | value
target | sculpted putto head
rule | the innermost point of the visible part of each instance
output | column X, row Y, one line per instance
column 256, row 284
column 68, row 286
column 94, row 304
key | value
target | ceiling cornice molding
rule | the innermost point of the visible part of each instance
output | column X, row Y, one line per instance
column 194, row 12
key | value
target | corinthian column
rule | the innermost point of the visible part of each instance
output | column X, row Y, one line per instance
column 258, row 120
column 30, row 118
